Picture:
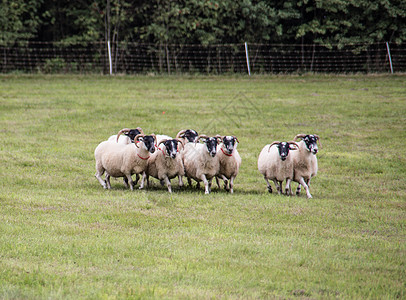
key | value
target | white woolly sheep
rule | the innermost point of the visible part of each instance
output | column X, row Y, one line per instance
column 201, row 162
column 189, row 138
column 166, row 163
column 229, row 160
column 305, row 161
column 275, row 163
column 119, row 160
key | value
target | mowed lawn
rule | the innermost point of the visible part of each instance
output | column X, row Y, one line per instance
column 62, row 236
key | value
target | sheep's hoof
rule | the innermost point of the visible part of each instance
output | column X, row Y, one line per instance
column 270, row 189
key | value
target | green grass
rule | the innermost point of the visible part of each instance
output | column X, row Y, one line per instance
column 62, row 236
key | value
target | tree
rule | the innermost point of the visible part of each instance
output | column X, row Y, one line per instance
column 19, row 20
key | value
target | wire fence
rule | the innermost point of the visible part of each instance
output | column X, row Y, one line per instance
column 135, row 58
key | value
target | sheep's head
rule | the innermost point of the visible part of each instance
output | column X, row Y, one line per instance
column 134, row 132
column 284, row 148
column 131, row 133
column 211, row 143
column 171, row 147
column 189, row 134
column 148, row 141
column 310, row 141
column 229, row 142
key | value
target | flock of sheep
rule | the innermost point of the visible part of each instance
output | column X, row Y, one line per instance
column 201, row 158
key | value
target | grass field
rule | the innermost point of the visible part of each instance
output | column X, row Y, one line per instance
column 62, row 236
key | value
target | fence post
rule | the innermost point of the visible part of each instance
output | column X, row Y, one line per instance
column 390, row 58
column 110, row 63
column 248, row 60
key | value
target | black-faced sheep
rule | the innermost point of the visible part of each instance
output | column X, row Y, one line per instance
column 128, row 137
column 119, row 160
column 229, row 160
column 305, row 161
column 166, row 163
column 201, row 162
column 275, row 163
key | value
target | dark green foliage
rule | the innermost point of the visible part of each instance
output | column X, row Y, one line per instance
column 18, row 20
column 325, row 22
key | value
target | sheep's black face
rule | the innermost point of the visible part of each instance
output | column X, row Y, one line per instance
column 149, row 143
column 132, row 134
column 229, row 143
column 311, row 143
column 283, row 149
column 171, row 148
column 191, row 135
column 211, row 144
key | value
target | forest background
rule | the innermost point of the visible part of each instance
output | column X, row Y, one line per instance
column 331, row 23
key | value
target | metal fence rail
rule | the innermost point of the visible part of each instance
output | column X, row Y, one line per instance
column 135, row 58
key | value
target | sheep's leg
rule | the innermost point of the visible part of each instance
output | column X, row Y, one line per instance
column 147, row 177
column 232, row 184
column 130, row 181
column 189, row 181
column 206, row 184
column 142, row 180
column 226, row 183
column 98, row 175
column 268, row 185
column 302, row 182
column 137, row 178
column 162, row 182
column 108, row 181
column 288, row 189
column 180, row 181
column 210, row 181
column 218, row 183
column 168, row 184
column 278, row 188
column 125, row 180
column 299, row 187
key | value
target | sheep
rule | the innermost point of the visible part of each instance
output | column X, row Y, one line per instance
column 201, row 162
column 305, row 161
column 166, row 163
column 129, row 135
column 188, row 136
column 230, row 162
column 119, row 160
column 127, row 139
column 275, row 163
